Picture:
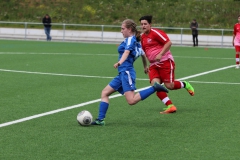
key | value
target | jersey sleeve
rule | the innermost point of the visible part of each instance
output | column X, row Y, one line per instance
column 130, row 44
column 160, row 36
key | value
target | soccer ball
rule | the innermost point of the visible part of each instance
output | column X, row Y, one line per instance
column 84, row 118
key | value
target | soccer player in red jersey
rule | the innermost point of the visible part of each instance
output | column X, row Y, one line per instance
column 156, row 46
column 236, row 40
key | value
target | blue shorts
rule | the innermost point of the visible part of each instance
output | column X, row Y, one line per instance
column 124, row 82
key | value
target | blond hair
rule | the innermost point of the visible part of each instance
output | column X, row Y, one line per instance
column 129, row 23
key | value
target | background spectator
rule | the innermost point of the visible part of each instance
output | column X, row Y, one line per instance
column 194, row 28
column 47, row 26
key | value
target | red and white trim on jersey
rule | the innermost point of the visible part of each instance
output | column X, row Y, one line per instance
column 159, row 34
column 153, row 43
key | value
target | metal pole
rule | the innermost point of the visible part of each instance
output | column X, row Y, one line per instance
column 64, row 27
column 102, row 32
column 222, row 37
column 181, row 35
column 25, row 31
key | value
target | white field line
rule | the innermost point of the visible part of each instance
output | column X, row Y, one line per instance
column 59, row 74
column 88, row 54
column 215, row 82
column 98, row 100
column 53, row 74
column 86, row 76
column 203, row 73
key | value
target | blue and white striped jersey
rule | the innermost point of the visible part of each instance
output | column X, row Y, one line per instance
column 135, row 49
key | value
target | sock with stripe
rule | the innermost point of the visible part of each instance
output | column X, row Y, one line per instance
column 164, row 98
column 179, row 85
column 237, row 59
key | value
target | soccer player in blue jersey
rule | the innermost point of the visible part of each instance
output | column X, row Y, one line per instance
column 129, row 50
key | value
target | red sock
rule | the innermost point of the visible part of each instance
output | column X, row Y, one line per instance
column 164, row 98
column 237, row 59
column 178, row 85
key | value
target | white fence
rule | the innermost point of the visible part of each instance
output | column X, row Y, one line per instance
column 97, row 33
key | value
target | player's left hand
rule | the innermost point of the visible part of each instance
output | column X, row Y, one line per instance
column 146, row 70
column 158, row 57
column 116, row 65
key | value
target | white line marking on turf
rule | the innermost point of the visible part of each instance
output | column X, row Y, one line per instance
column 203, row 73
column 97, row 100
column 86, row 76
column 89, row 54
column 53, row 74
column 59, row 74
column 214, row 82
column 53, row 112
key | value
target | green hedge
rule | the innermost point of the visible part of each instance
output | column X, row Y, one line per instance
column 167, row 13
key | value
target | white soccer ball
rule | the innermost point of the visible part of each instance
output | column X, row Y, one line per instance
column 84, row 118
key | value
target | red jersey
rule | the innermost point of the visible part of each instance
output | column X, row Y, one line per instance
column 236, row 32
column 153, row 43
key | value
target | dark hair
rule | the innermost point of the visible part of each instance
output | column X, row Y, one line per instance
column 46, row 15
column 147, row 18
column 131, row 24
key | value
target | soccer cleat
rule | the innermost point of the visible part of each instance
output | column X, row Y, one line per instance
column 98, row 122
column 237, row 66
column 189, row 88
column 169, row 109
column 158, row 87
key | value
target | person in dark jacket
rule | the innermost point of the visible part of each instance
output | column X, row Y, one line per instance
column 47, row 26
column 194, row 28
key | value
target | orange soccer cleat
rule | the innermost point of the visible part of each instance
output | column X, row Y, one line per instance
column 169, row 109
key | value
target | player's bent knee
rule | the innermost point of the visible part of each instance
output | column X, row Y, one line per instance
column 169, row 86
column 131, row 102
